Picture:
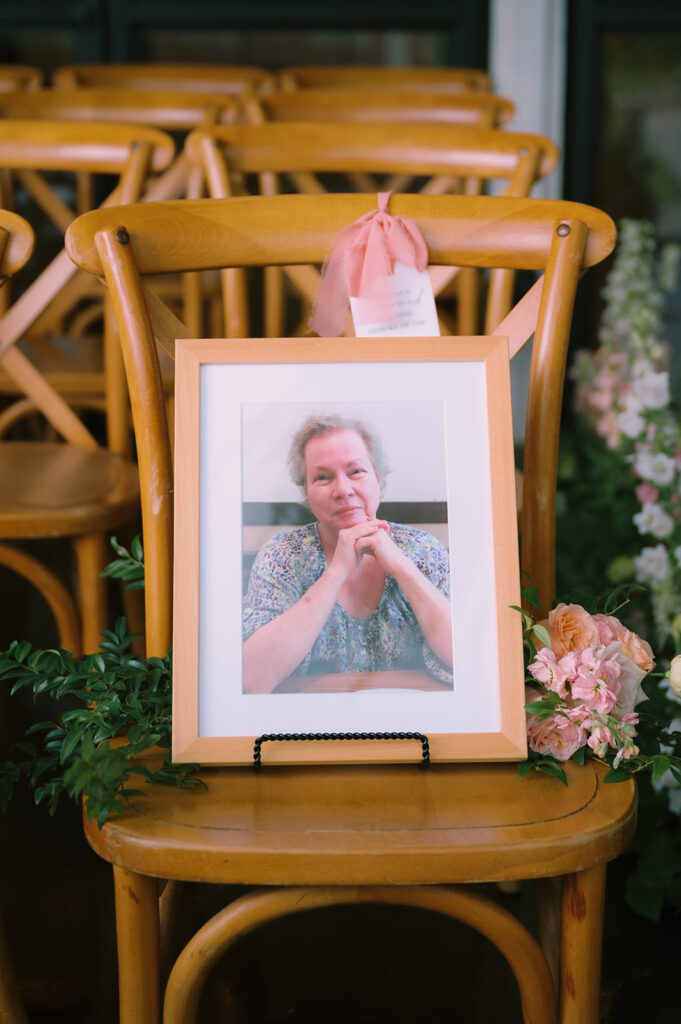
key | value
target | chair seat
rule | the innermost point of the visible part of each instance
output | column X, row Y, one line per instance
column 344, row 825
column 51, row 489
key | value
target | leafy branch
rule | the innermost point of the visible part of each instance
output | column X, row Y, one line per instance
column 117, row 707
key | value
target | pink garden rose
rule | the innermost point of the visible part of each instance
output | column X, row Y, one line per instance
column 640, row 651
column 556, row 736
column 609, row 628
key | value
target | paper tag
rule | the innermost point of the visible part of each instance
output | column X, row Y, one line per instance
column 414, row 313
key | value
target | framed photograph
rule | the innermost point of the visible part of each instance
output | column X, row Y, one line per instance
column 346, row 554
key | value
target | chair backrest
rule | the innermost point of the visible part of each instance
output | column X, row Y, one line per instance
column 206, row 78
column 17, row 241
column 19, row 76
column 176, row 112
column 558, row 239
column 454, row 159
column 340, row 76
column 481, row 109
column 30, row 151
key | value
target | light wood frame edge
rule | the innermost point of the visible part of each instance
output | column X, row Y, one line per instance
column 509, row 743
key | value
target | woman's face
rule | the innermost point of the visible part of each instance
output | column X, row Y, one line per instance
column 341, row 482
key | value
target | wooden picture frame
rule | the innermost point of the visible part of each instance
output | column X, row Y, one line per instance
column 448, row 403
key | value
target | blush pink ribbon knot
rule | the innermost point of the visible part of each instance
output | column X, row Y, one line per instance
column 361, row 263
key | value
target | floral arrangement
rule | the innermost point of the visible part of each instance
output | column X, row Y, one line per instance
column 592, row 692
column 623, row 390
column 586, row 672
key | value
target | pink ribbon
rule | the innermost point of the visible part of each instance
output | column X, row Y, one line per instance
column 360, row 264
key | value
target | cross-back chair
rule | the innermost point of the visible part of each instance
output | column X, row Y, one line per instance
column 457, row 159
column 81, row 486
column 481, row 109
column 314, row 837
column 232, row 79
column 16, row 245
column 176, row 112
column 170, row 110
column 366, row 76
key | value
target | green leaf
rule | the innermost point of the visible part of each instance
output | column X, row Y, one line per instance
column 553, row 769
column 616, row 775
column 661, row 764
column 542, row 634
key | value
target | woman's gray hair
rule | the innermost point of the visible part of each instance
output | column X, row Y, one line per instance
column 316, row 425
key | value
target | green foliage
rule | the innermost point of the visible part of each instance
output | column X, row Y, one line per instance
column 129, row 566
column 107, row 695
column 116, row 706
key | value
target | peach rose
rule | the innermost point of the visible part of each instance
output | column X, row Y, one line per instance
column 638, row 650
column 571, row 628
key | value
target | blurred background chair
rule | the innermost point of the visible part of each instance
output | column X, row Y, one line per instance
column 481, row 109
column 171, row 110
column 412, row 833
column 19, row 76
column 344, row 76
column 175, row 112
column 278, row 157
column 197, row 77
column 62, row 372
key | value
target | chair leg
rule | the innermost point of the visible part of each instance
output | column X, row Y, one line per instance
column 137, row 927
column 583, row 903
column 547, row 897
column 91, row 559
column 11, row 1006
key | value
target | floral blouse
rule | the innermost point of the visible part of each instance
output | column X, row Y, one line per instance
column 391, row 638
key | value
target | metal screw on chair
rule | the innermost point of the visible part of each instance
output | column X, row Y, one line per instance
column 563, row 230
column 122, row 236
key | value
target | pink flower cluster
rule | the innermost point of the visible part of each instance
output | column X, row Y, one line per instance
column 595, row 667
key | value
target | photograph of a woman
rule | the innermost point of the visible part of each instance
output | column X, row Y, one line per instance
column 349, row 592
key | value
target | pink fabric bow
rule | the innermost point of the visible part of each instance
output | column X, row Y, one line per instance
column 360, row 264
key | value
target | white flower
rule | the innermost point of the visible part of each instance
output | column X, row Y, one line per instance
column 654, row 520
column 652, row 565
column 630, row 678
column 658, row 467
column 652, row 389
column 630, row 422
column 675, row 676
column 677, row 555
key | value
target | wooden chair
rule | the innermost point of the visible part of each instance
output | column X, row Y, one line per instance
column 173, row 111
column 19, row 76
column 475, row 109
column 16, row 246
column 170, row 110
column 342, row 76
column 78, row 489
column 228, row 79
column 301, row 833
column 453, row 158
